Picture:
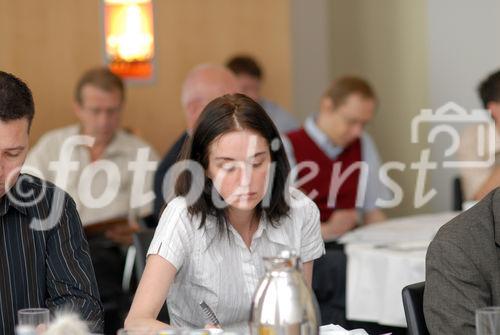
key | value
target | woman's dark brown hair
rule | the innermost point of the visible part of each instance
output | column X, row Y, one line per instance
column 225, row 114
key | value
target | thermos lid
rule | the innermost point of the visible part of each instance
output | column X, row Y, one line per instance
column 286, row 259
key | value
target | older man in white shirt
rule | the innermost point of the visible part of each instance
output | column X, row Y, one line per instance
column 106, row 170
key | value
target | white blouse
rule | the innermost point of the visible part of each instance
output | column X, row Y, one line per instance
column 224, row 272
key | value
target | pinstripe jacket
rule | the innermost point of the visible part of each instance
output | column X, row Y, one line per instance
column 44, row 257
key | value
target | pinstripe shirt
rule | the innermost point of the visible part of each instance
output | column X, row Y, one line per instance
column 44, row 257
column 225, row 273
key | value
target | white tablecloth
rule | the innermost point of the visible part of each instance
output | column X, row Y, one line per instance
column 381, row 260
column 337, row 330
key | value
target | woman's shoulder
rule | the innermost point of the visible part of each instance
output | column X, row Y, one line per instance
column 176, row 205
column 299, row 201
column 177, row 210
column 178, row 202
column 301, row 227
column 302, row 209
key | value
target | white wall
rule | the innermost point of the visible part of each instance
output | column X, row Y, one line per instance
column 310, row 54
column 463, row 47
column 385, row 42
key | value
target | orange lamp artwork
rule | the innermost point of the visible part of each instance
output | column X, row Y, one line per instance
column 129, row 38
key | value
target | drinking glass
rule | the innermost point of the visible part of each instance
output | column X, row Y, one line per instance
column 488, row 321
column 37, row 318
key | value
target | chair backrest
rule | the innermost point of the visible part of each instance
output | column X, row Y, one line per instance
column 458, row 195
column 413, row 302
column 142, row 240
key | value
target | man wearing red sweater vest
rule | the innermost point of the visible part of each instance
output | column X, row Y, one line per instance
column 334, row 140
column 337, row 165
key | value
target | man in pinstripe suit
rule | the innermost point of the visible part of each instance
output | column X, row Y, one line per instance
column 44, row 256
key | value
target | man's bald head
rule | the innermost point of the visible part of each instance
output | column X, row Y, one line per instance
column 203, row 84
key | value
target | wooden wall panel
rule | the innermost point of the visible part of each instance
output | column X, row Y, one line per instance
column 49, row 43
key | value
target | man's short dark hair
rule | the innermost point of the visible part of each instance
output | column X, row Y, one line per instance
column 243, row 64
column 489, row 89
column 16, row 100
column 101, row 78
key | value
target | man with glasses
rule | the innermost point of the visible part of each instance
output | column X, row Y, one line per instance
column 336, row 136
column 92, row 161
column 337, row 165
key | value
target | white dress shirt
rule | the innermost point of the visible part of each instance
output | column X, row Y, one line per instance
column 121, row 151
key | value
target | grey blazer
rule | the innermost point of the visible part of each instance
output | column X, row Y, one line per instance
column 463, row 269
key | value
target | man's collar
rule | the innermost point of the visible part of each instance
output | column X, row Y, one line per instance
column 321, row 139
column 4, row 205
column 115, row 146
column 277, row 235
column 495, row 204
column 13, row 199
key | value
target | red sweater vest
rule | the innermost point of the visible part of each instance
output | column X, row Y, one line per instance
column 306, row 150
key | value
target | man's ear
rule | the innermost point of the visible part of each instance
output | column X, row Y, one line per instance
column 494, row 108
column 77, row 109
column 189, row 114
column 326, row 104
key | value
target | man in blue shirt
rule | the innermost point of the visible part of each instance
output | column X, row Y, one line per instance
column 249, row 75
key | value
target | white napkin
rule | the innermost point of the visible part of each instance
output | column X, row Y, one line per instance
column 337, row 330
column 67, row 323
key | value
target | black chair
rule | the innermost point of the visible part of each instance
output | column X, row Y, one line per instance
column 142, row 240
column 458, row 195
column 413, row 302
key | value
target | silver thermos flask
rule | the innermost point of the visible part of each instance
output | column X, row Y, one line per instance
column 283, row 304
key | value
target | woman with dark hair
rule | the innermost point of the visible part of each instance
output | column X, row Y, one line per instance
column 210, row 247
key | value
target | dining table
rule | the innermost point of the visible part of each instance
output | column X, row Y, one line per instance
column 383, row 258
